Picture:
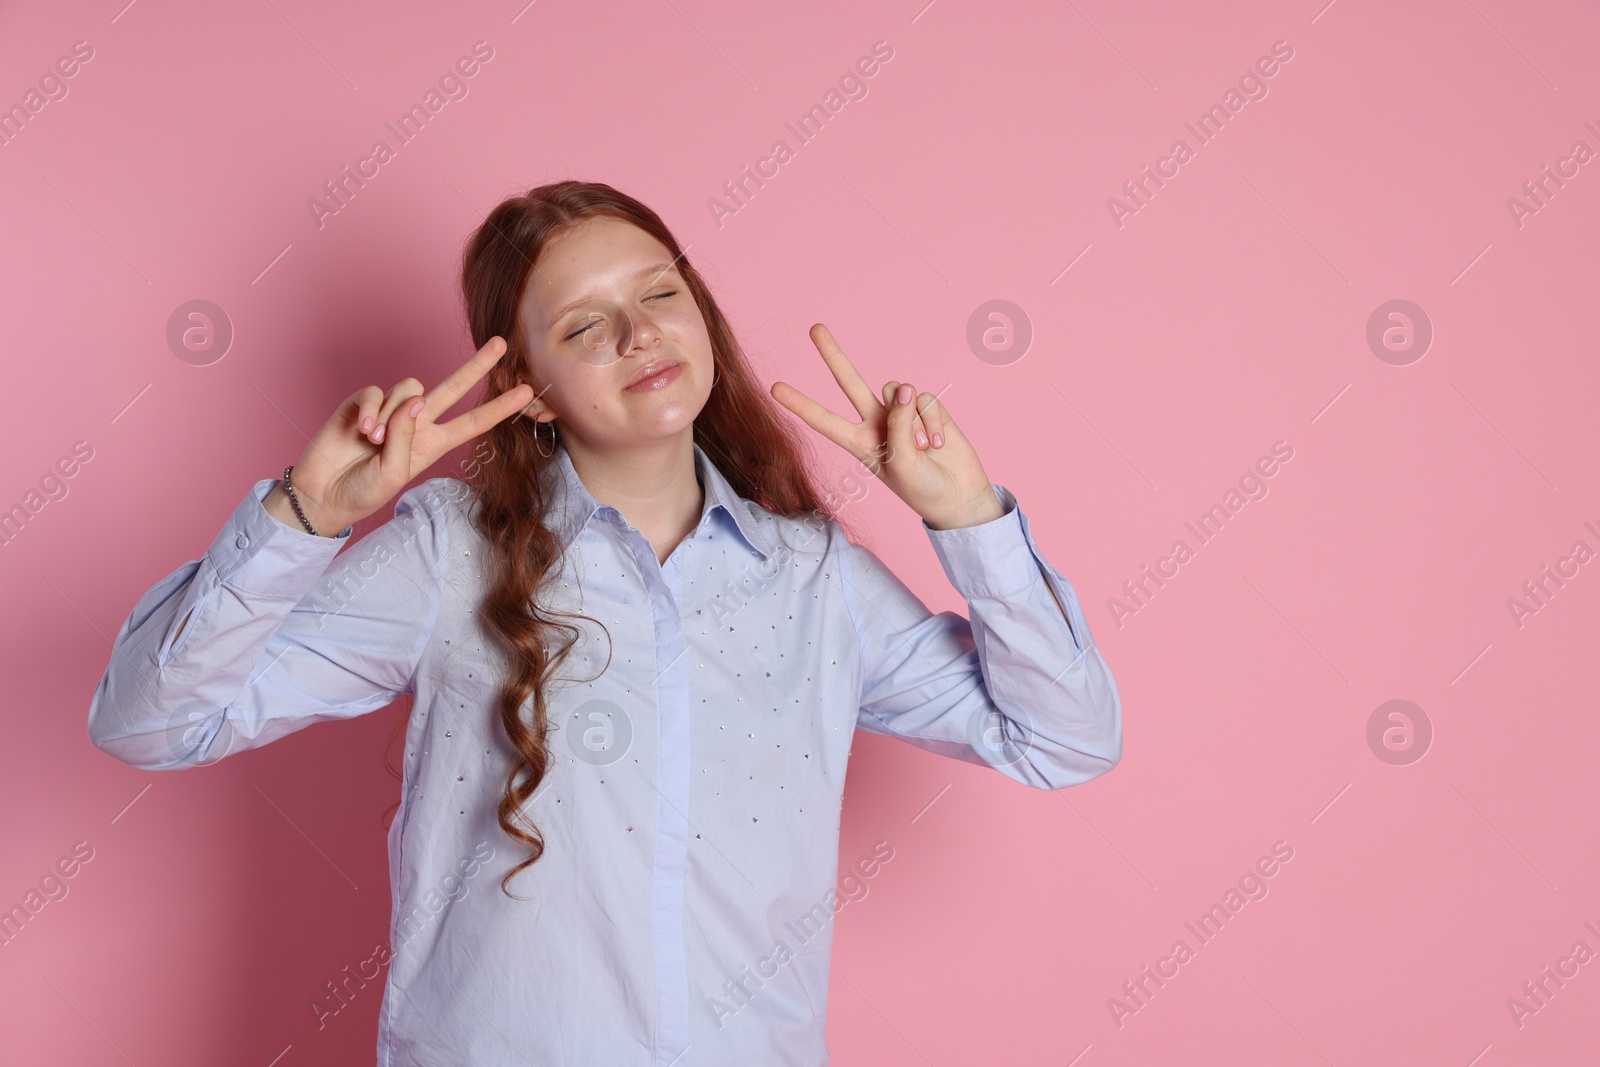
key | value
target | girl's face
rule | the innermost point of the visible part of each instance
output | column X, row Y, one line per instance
column 603, row 305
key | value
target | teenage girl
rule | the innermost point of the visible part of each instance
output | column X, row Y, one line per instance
column 639, row 642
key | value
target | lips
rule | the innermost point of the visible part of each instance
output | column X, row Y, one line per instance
column 650, row 370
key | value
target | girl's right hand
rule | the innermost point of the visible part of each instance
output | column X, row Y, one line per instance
column 374, row 444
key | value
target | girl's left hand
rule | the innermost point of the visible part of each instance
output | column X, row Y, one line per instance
column 916, row 449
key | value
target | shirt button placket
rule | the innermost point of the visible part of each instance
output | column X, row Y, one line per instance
column 672, row 805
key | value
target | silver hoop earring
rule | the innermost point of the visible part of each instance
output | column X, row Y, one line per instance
column 538, row 438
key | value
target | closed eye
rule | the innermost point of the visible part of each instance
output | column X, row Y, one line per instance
column 586, row 328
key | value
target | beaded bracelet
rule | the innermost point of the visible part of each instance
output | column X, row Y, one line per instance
column 295, row 500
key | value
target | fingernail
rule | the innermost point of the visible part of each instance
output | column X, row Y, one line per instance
column 366, row 424
column 938, row 439
column 922, row 439
column 416, row 408
column 903, row 394
column 377, row 435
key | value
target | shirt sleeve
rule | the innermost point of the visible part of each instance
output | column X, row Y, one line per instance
column 280, row 634
column 1020, row 687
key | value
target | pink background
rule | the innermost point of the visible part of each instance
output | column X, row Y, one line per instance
column 1229, row 313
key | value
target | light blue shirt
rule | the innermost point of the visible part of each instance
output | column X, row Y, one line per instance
column 682, row 911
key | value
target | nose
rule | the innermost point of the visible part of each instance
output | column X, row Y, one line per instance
column 640, row 331
column 614, row 332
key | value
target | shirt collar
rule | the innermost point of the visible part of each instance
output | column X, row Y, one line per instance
column 575, row 505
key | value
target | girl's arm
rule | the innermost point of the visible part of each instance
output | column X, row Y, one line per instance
column 1020, row 687
column 269, row 632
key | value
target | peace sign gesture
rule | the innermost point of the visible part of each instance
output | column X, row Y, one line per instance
column 917, row 450
column 374, row 444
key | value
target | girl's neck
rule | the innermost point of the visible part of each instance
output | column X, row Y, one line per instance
column 655, row 486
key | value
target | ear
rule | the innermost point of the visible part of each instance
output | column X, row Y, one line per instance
column 539, row 406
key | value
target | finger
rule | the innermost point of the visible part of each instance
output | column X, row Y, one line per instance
column 919, row 434
column 444, row 395
column 367, row 402
column 834, row 427
column 404, row 390
column 944, row 422
column 902, row 417
column 463, row 428
column 359, row 407
column 394, row 462
column 844, row 372
column 932, row 414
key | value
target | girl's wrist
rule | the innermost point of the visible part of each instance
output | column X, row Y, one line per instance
column 280, row 507
column 986, row 509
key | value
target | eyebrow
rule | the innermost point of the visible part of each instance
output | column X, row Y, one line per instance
column 654, row 268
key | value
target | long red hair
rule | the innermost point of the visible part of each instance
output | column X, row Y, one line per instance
column 741, row 429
